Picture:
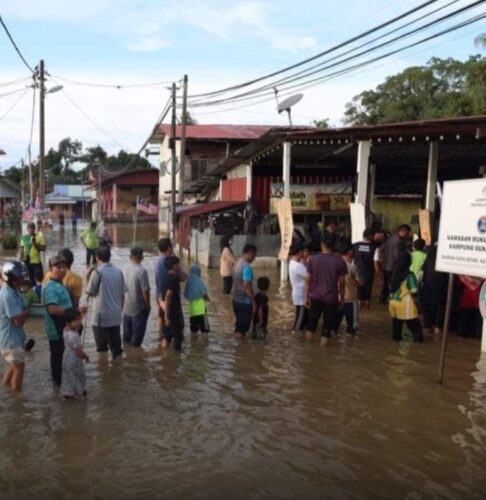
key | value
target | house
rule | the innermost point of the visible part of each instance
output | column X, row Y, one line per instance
column 9, row 197
column 206, row 147
column 119, row 193
column 69, row 199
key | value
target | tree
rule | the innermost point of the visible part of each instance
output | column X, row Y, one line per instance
column 441, row 88
column 323, row 123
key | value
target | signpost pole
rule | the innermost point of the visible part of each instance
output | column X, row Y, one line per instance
column 445, row 330
column 287, row 148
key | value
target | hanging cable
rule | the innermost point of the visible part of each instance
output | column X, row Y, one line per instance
column 32, row 119
column 268, row 89
column 14, row 104
column 12, row 92
column 17, row 80
column 112, row 85
column 15, row 45
column 320, row 54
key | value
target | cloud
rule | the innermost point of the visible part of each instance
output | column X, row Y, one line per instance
column 148, row 44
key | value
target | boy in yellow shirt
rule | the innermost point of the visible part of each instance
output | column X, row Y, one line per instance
column 31, row 246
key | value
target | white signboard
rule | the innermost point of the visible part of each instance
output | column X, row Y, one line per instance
column 358, row 221
column 462, row 231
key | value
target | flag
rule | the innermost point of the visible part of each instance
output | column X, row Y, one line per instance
column 147, row 208
column 28, row 213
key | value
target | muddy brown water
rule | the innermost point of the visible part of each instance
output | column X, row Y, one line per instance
column 274, row 419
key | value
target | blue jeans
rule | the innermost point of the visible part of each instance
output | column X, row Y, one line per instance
column 243, row 316
column 134, row 328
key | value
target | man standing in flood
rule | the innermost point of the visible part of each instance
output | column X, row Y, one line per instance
column 324, row 289
column 31, row 246
column 242, row 291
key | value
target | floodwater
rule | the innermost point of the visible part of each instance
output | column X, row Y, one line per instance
column 279, row 418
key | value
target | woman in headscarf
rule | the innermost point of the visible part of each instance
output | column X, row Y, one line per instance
column 402, row 306
column 196, row 293
column 227, row 261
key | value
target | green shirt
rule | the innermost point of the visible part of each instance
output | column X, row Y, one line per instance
column 418, row 259
column 90, row 238
column 55, row 293
column 197, row 307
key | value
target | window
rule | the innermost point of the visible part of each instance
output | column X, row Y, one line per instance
column 199, row 168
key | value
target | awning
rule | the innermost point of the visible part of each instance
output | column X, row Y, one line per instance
column 207, row 208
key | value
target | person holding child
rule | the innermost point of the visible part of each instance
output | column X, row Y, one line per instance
column 73, row 377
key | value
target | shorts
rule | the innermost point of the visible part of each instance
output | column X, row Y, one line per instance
column 331, row 317
column 174, row 333
column 13, row 356
column 199, row 323
column 364, row 291
column 243, row 316
column 108, row 337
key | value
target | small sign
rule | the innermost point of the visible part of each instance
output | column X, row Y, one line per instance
column 286, row 223
column 462, row 232
column 424, row 222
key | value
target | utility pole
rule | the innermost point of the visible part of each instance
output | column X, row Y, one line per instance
column 100, row 195
column 174, row 165
column 182, row 156
column 42, row 180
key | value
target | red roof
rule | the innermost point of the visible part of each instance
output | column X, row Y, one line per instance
column 235, row 132
column 207, row 208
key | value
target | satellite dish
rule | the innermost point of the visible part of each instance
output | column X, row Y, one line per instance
column 286, row 104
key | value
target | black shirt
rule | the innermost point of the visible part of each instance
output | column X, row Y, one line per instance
column 364, row 253
column 175, row 314
column 261, row 300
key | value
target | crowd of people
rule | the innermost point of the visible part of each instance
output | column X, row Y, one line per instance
column 332, row 285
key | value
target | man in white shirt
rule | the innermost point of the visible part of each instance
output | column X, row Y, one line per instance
column 297, row 272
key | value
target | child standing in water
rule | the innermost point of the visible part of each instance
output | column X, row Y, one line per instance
column 73, row 384
column 196, row 293
column 260, row 314
column 351, row 282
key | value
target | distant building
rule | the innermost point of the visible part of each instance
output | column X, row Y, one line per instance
column 119, row 193
column 9, row 197
column 69, row 199
column 206, row 147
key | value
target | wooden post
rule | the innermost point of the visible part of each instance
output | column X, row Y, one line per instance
column 362, row 169
column 432, row 167
column 287, row 150
column 445, row 330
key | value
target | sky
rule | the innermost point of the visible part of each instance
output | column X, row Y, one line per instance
column 217, row 43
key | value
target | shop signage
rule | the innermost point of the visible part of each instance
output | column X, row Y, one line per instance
column 334, row 197
column 462, row 231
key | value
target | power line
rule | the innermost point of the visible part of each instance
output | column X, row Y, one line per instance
column 158, row 122
column 15, row 45
column 325, row 78
column 13, row 105
column 320, row 54
column 32, row 119
column 12, row 92
column 106, row 134
column 17, row 80
column 118, row 86
column 268, row 89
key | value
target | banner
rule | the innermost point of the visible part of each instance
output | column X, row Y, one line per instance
column 147, row 208
column 424, row 223
column 334, row 197
column 358, row 221
column 286, row 223
column 462, row 231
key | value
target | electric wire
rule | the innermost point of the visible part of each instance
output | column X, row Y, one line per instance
column 15, row 45
column 257, row 93
column 308, row 71
column 160, row 119
column 12, row 92
column 17, row 80
column 286, row 91
column 14, row 104
column 320, row 54
column 100, row 129
column 32, row 120
column 112, row 85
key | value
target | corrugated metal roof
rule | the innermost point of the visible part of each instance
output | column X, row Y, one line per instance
column 206, row 208
column 72, row 190
column 234, row 132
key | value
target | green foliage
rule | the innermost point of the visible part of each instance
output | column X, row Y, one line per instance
column 441, row 88
column 10, row 241
column 324, row 123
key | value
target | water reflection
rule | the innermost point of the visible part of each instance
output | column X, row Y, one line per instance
column 226, row 419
